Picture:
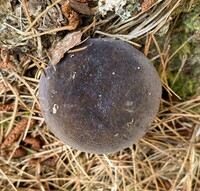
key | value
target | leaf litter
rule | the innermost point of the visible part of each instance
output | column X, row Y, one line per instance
column 166, row 158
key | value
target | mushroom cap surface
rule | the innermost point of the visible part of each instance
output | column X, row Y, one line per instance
column 100, row 99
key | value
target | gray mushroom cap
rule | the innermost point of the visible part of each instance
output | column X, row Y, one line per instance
column 101, row 99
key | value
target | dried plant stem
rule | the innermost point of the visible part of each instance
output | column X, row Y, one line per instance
column 51, row 31
column 41, row 14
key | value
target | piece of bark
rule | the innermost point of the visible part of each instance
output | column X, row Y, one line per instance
column 68, row 42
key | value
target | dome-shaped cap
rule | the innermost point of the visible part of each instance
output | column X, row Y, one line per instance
column 100, row 99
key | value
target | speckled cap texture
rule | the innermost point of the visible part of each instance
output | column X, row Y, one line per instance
column 100, row 99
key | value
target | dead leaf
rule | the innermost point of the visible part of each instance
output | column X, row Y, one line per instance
column 68, row 42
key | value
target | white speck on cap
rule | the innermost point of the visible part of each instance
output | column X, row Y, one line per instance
column 73, row 75
column 55, row 108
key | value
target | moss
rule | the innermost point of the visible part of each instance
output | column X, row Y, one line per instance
column 186, row 7
column 5, row 125
column 192, row 22
column 184, row 86
column 188, row 82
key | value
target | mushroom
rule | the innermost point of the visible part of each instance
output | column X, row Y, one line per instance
column 100, row 99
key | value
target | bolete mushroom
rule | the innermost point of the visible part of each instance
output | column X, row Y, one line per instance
column 100, row 99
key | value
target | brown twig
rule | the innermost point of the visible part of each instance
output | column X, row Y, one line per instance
column 42, row 14
column 26, row 11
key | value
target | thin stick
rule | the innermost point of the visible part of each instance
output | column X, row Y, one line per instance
column 68, row 27
column 180, row 69
column 26, row 11
column 13, row 117
column 41, row 14
column 180, row 47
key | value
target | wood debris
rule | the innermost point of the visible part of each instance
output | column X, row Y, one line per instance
column 71, row 15
column 147, row 3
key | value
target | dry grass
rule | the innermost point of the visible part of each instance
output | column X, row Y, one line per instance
column 167, row 158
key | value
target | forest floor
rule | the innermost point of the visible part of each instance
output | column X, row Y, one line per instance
column 167, row 158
